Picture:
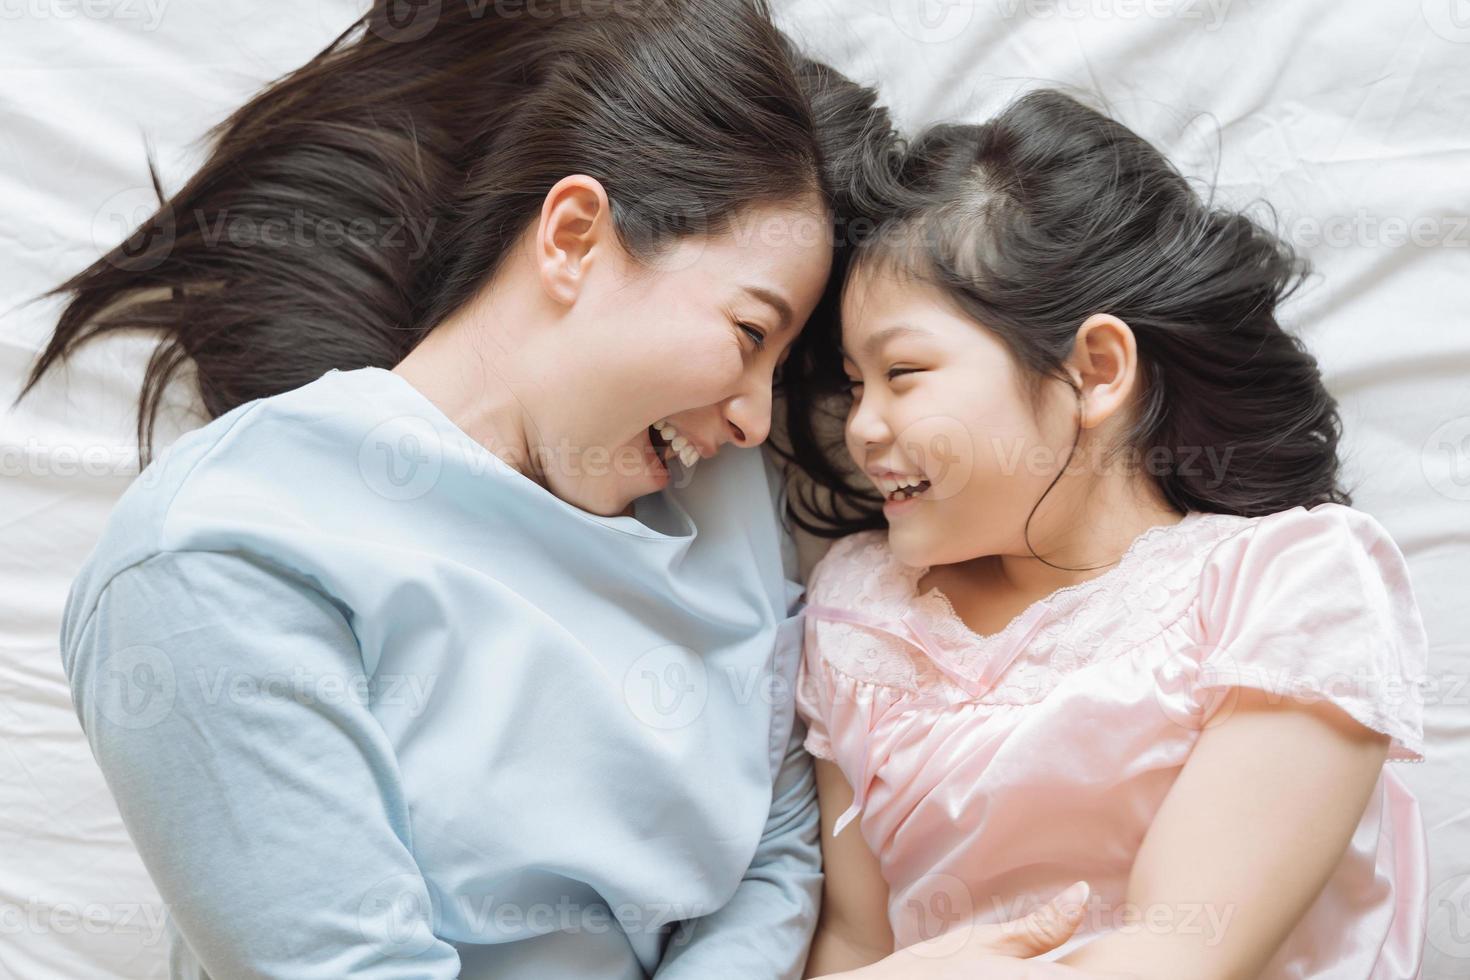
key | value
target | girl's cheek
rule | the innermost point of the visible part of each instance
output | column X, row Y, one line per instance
column 945, row 450
column 854, row 447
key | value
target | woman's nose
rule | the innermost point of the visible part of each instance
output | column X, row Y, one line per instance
column 748, row 426
column 748, row 415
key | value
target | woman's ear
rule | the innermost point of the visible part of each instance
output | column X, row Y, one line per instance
column 1104, row 364
column 575, row 219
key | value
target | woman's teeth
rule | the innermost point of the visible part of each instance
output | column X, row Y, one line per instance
column 686, row 452
column 902, row 487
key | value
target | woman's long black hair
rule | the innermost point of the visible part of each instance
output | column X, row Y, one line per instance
column 1048, row 214
column 354, row 204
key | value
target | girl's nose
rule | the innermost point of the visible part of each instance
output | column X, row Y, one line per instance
column 866, row 424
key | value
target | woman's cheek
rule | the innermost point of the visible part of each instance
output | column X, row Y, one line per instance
column 704, row 377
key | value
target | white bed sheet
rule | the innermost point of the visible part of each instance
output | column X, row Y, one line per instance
column 1350, row 117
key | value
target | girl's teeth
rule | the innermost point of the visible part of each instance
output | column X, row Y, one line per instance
column 679, row 442
column 893, row 485
column 688, row 456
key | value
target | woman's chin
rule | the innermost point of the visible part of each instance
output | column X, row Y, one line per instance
column 655, row 480
column 613, row 494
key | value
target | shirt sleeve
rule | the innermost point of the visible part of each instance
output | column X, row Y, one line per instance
column 1317, row 605
column 765, row 928
column 226, row 703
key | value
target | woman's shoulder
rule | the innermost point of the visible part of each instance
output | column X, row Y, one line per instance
column 289, row 461
column 265, row 438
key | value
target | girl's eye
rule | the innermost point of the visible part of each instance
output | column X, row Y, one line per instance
column 847, row 385
column 899, row 372
column 755, row 335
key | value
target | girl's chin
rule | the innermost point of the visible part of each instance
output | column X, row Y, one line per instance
column 910, row 545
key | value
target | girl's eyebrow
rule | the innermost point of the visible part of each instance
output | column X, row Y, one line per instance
column 875, row 343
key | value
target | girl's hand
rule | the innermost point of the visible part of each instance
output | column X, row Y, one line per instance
column 992, row 952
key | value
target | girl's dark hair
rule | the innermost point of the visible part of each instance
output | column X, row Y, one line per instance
column 355, row 203
column 1048, row 214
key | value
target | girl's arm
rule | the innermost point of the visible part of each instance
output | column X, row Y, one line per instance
column 853, row 929
column 1253, row 827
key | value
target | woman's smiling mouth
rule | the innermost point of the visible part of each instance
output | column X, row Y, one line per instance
column 668, row 441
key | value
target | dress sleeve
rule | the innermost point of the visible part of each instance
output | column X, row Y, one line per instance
column 1317, row 605
column 814, row 683
column 226, row 704
column 813, row 696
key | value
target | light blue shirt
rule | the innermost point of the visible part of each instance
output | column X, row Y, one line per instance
column 374, row 705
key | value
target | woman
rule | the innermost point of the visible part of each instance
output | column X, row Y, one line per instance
column 460, row 642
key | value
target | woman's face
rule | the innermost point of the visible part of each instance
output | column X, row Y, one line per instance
column 688, row 343
column 938, row 401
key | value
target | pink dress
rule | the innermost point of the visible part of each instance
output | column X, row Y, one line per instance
column 989, row 772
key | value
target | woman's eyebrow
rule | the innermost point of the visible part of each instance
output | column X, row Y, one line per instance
column 772, row 299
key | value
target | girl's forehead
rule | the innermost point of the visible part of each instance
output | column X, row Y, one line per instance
column 872, row 292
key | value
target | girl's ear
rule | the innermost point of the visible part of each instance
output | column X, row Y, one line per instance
column 1104, row 364
column 575, row 221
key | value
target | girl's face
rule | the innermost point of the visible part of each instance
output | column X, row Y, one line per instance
column 938, row 402
column 680, row 354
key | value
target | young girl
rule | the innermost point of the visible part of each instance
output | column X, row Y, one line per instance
column 1115, row 620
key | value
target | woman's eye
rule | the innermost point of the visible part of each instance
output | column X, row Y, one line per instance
column 848, row 385
column 899, row 372
column 755, row 335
